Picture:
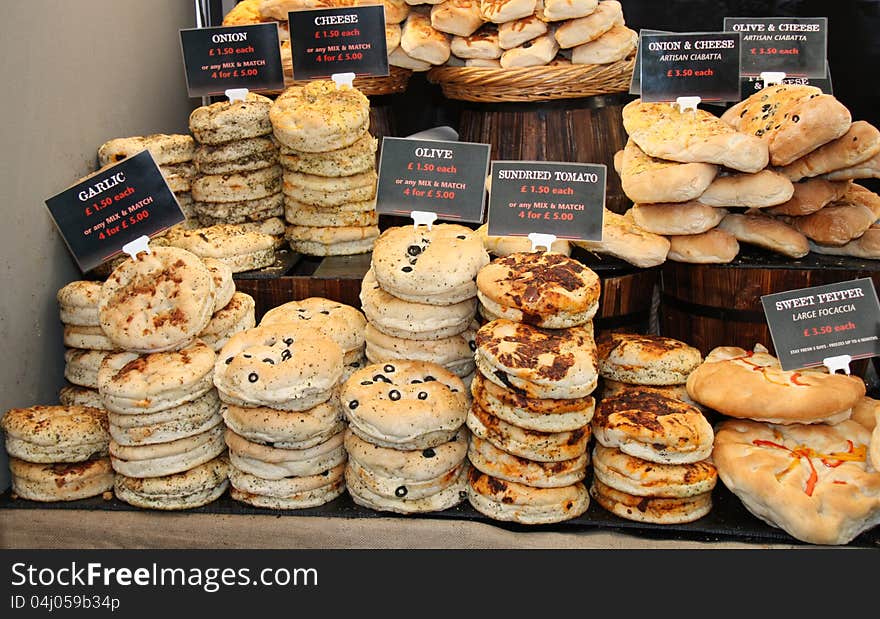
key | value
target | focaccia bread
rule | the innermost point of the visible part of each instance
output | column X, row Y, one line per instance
column 623, row 239
column 792, row 120
column 677, row 218
column 858, row 144
column 766, row 232
column 814, row 482
column 663, row 130
column 752, row 385
column 843, row 220
column 647, row 179
column 758, row 190
column 809, row 196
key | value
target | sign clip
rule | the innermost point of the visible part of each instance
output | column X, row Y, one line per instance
column 423, row 218
column 236, row 94
column 772, row 78
column 541, row 240
column 140, row 244
column 687, row 103
column 343, row 79
column 840, row 362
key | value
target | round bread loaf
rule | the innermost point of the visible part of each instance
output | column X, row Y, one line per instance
column 328, row 191
column 544, row 289
column 240, row 211
column 188, row 419
column 241, row 249
column 78, row 303
column 342, row 323
column 285, row 487
column 407, row 263
column 130, row 384
column 163, row 459
column 48, row 434
column 284, row 366
column 305, row 215
column 226, row 121
column 87, row 338
column 646, row 359
column 416, row 321
column 288, row 430
column 81, row 366
column 768, row 233
column 236, row 156
column 812, row 481
column 165, row 149
column 541, row 363
column 638, row 477
column 752, row 385
column 158, row 302
column 237, row 187
column 455, row 353
column 405, row 404
column 451, row 495
column 235, row 317
column 80, row 396
column 224, row 286
column 713, row 247
column 677, row 510
column 60, row 482
column 277, row 463
column 332, row 241
column 529, row 444
column 653, row 427
column 356, row 158
column 488, row 459
column 186, row 490
column 320, row 116
column 513, row 502
column 692, row 217
column 416, row 465
column 540, row 415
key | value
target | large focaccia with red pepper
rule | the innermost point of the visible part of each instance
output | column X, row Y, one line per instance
column 752, row 385
column 813, row 481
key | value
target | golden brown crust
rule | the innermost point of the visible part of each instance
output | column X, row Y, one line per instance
column 655, row 510
column 809, row 196
column 57, row 425
column 645, row 359
column 858, row 144
column 812, row 481
column 320, row 117
column 751, row 385
column 792, row 120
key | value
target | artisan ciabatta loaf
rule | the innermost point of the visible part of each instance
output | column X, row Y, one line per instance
column 713, row 247
column 758, row 190
column 623, row 239
column 647, row 179
column 791, row 119
column 870, row 168
column 663, row 130
column 614, row 45
column 809, row 196
column 858, row 144
column 768, row 233
column 500, row 11
column 585, row 29
column 677, row 218
column 842, row 220
column 866, row 246
column 557, row 10
column 422, row 42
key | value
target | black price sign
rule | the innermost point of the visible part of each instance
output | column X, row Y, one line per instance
column 563, row 199
column 447, row 178
column 705, row 65
column 635, row 84
column 750, row 85
column 812, row 324
column 217, row 59
column 797, row 46
column 99, row 215
column 343, row 40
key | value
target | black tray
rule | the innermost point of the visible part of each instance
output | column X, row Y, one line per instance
column 728, row 520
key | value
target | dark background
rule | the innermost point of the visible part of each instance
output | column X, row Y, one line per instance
column 853, row 50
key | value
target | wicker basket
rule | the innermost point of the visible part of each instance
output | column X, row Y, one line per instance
column 395, row 82
column 525, row 84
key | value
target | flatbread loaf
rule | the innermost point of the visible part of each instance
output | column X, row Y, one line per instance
column 647, row 179
column 858, row 144
column 623, row 239
column 768, row 233
column 664, row 131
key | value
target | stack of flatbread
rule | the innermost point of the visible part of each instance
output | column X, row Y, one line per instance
column 775, row 171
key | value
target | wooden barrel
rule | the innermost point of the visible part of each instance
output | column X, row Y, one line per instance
column 588, row 130
column 381, row 117
column 627, row 293
column 709, row 305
